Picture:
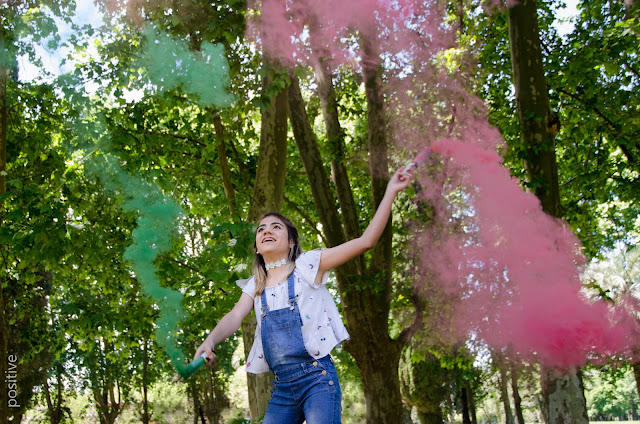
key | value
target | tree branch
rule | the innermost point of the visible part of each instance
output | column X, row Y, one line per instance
column 306, row 217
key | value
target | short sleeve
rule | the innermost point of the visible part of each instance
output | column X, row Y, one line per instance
column 247, row 286
column 307, row 266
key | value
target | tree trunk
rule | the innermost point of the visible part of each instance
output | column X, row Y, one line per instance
column 636, row 375
column 194, row 397
column 366, row 311
column 335, row 137
column 532, row 99
column 4, row 331
column 387, row 408
column 3, row 130
column 146, row 417
column 464, row 402
column 631, row 9
column 104, row 391
column 563, row 395
column 504, row 391
column 107, row 410
column 517, row 401
column 213, row 391
column 221, row 148
column 55, row 411
column 472, row 403
column 268, row 193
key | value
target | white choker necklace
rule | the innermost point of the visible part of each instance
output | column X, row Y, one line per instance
column 276, row 264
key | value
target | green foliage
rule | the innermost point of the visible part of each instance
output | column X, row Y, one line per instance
column 592, row 75
column 611, row 393
column 425, row 383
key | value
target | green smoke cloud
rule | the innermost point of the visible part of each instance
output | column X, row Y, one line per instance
column 157, row 214
column 170, row 64
column 204, row 75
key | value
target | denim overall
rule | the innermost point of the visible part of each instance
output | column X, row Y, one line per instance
column 303, row 387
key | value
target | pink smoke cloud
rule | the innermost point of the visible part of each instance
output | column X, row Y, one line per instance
column 513, row 271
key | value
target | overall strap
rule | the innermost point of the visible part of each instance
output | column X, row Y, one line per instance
column 291, row 290
column 263, row 299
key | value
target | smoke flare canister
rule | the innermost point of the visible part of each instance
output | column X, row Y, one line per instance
column 419, row 159
column 194, row 366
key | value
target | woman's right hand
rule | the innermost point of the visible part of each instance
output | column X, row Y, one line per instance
column 208, row 348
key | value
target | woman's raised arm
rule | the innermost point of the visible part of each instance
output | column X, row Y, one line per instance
column 338, row 255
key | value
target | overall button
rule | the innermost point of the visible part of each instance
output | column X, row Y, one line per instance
column 324, row 372
column 315, row 363
column 331, row 383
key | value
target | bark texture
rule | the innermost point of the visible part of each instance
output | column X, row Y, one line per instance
column 534, row 111
column 268, row 194
column 563, row 395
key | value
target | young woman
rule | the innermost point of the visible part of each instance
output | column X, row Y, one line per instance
column 298, row 322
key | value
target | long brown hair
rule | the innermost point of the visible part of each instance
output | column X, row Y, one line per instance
column 258, row 267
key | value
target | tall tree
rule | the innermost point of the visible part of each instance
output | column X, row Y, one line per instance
column 503, row 382
column 563, row 393
column 365, row 297
column 268, row 191
column 4, row 336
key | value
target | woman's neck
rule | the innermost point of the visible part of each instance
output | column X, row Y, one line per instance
column 275, row 275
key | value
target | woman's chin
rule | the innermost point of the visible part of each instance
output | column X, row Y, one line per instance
column 272, row 252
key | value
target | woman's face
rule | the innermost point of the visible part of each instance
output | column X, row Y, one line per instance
column 272, row 238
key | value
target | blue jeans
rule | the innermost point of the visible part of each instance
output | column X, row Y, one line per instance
column 309, row 390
